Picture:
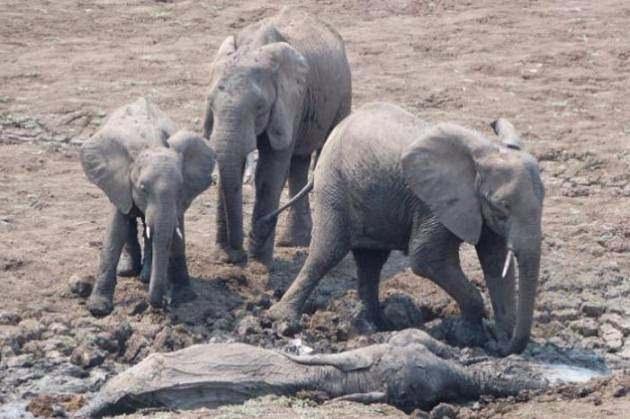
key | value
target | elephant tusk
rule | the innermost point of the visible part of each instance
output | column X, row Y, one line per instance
column 508, row 261
column 148, row 232
column 179, row 233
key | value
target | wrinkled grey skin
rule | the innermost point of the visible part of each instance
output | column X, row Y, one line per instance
column 280, row 86
column 411, row 370
column 150, row 173
column 387, row 180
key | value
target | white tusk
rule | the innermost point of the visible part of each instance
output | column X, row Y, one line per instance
column 179, row 233
column 508, row 260
column 148, row 232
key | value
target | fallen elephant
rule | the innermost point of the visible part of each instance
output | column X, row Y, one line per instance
column 410, row 370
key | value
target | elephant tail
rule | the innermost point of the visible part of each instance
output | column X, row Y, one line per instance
column 301, row 194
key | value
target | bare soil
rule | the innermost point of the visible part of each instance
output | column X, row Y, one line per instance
column 559, row 70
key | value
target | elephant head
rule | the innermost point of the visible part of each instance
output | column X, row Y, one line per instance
column 469, row 181
column 159, row 181
column 254, row 90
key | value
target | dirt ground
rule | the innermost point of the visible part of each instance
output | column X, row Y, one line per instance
column 559, row 70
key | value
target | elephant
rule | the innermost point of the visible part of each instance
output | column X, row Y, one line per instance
column 152, row 173
column 279, row 86
column 409, row 370
column 387, row 180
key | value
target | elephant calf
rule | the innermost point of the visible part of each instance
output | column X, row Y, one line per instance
column 387, row 180
column 152, row 173
column 279, row 86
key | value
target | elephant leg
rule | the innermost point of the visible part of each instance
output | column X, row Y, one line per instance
column 100, row 302
column 434, row 253
column 369, row 265
column 147, row 259
column 491, row 251
column 177, row 268
column 271, row 173
column 298, row 228
column 330, row 244
column 130, row 263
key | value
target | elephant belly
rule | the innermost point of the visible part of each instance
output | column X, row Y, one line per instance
column 378, row 230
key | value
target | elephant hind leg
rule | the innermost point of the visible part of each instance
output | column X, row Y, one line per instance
column 298, row 228
column 130, row 263
column 369, row 265
column 434, row 254
column 330, row 244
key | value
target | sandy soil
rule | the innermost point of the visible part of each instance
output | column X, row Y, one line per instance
column 558, row 69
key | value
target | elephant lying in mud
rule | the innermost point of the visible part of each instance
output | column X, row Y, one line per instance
column 410, row 370
column 279, row 86
column 152, row 173
column 388, row 181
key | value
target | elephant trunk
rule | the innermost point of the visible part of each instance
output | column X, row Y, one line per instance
column 232, row 146
column 162, row 222
column 528, row 257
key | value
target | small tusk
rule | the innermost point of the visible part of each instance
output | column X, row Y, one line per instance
column 148, row 232
column 179, row 233
column 508, row 260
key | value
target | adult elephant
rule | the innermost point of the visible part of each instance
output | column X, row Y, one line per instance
column 280, row 85
column 387, row 180
column 152, row 173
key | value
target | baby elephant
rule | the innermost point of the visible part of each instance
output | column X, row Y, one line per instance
column 152, row 173
column 387, row 180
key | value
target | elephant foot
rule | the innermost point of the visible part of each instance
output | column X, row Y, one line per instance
column 145, row 275
column 182, row 294
column 100, row 305
column 228, row 255
column 127, row 267
column 465, row 333
column 294, row 238
column 282, row 311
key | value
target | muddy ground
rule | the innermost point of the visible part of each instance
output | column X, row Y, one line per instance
column 558, row 69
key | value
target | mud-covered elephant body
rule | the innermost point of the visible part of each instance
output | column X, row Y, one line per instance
column 387, row 180
column 410, row 370
column 152, row 173
column 279, row 86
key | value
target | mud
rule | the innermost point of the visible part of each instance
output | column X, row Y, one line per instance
column 558, row 70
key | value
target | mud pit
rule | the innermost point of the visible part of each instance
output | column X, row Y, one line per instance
column 558, row 70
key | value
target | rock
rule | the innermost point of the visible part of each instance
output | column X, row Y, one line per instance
column 419, row 414
column 248, row 325
column 593, row 308
column 565, row 315
column 81, row 285
column 20, row 361
column 618, row 322
column 263, row 301
column 443, row 411
column 31, row 329
column 138, row 308
column 288, row 328
column 122, row 331
column 58, row 328
column 586, row 327
column 87, row 357
column 9, row 318
column 620, row 391
column 137, row 348
column 401, row 311
column 108, row 342
column 62, row 343
column 613, row 338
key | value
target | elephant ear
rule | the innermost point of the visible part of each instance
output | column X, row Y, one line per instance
column 440, row 169
column 107, row 164
column 290, row 69
column 197, row 163
column 227, row 48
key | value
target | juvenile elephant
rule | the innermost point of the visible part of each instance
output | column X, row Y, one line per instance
column 280, row 86
column 149, row 172
column 387, row 180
